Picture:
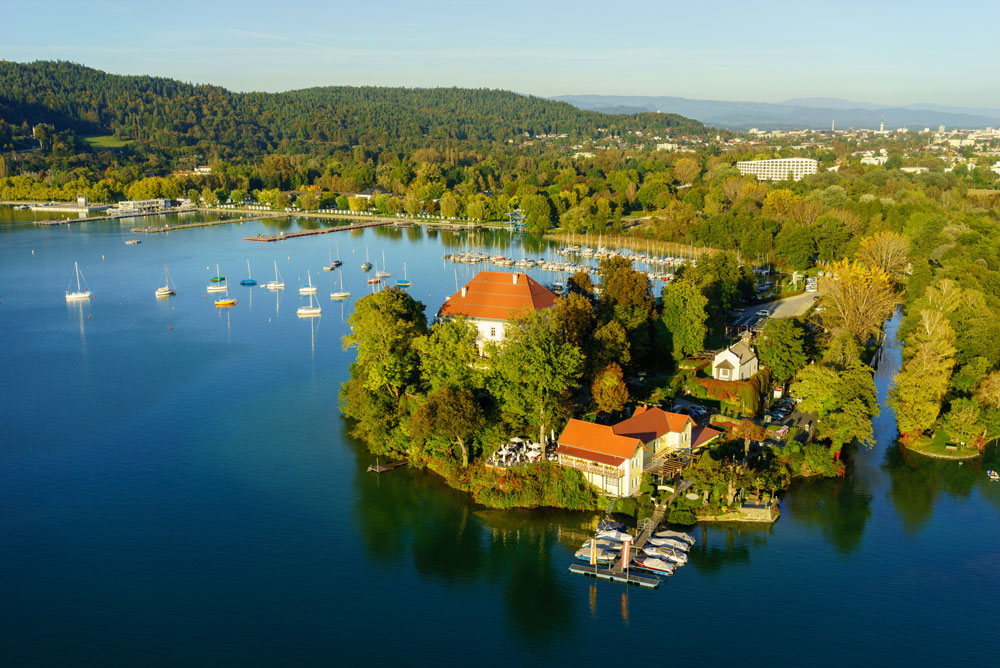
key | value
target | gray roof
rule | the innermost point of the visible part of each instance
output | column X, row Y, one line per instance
column 743, row 351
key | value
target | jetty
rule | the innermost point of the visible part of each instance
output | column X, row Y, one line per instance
column 282, row 236
column 210, row 223
column 382, row 468
column 647, row 581
column 112, row 216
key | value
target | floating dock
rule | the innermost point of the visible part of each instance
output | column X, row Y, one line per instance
column 210, row 223
column 615, row 576
column 112, row 216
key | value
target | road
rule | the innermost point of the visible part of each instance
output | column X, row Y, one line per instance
column 783, row 308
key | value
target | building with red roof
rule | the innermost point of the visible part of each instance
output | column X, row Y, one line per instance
column 615, row 457
column 492, row 299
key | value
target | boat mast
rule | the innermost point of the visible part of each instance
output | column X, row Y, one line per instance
column 76, row 265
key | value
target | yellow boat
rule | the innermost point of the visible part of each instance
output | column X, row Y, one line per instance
column 221, row 303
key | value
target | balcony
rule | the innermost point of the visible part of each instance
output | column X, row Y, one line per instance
column 591, row 467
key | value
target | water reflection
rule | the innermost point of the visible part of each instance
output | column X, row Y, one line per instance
column 840, row 507
column 712, row 558
column 915, row 481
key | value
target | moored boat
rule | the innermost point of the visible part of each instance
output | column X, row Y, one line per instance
column 165, row 290
column 80, row 292
column 277, row 283
column 217, row 282
column 404, row 282
column 993, row 475
column 615, row 535
column 655, row 565
column 249, row 279
column 224, row 302
column 678, row 535
column 308, row 289
column 310, row 311
column 342, row 294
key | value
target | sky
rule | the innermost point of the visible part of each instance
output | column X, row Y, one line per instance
column 881, row 52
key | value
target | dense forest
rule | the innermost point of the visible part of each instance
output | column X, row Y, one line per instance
column 184, row 118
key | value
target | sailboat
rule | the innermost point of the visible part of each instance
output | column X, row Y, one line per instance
column 277, row 283
column 80, row 293
column 249, row 279
column 308, row 289
column 404, row 282
column 382, row 273
column 223, row 302
column 367, row 265
column 342, row 294
column 166, row 290
column 218, row 283
column 333, row 263
column 309, row 311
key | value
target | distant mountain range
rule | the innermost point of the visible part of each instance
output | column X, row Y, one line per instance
column 812, row 113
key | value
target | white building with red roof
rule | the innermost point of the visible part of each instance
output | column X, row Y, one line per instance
column 614, row 458
column 492, row 299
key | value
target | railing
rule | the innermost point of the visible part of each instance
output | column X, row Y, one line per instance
column 589, row 467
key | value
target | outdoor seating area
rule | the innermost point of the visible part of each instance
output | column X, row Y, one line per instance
column 518, row 452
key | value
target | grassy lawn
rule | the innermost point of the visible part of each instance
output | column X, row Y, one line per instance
column 936, row 446
column 106, row 141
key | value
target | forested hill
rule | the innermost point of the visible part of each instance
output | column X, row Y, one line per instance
column 170, row 114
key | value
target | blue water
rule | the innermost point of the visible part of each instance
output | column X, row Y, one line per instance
column 177, row 488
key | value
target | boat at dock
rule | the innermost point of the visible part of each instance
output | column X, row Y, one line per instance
column 654, row 564
column 165, row 290
column 669, row 542
column 308, row 289
column 677, row 535
column 277, row 283
column 667, row 553
column 603, row 556
column 615, row 535
column 80, row 292
column 249, row 279
column 218, row 282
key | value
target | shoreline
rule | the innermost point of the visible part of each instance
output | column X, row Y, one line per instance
column 936, row 455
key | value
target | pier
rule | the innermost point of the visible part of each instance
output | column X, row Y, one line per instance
column 649, row 582
column 382, row 468
column 111, row 216
column 282, row 236
column 185, row 226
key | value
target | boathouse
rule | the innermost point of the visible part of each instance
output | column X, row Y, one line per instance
column 492, row 299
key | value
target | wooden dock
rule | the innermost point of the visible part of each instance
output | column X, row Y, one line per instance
column 210, row 223
column 640, row 541
column 647, row 581
column 382, row 468
column 282, row 236
column 112, row 216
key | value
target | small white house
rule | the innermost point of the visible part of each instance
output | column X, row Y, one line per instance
column 737, row 362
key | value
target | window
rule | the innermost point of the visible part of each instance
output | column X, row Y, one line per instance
column 493, row 332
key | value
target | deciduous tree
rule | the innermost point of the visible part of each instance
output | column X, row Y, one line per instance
column 609, row 389
column 860, row 298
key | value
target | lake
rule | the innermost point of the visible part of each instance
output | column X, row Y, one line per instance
column 177, row 487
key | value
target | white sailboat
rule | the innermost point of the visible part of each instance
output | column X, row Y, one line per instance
column 277, row 283
column 165, row 290
column 80, row 292
column 367, row 265
column 310, row 311
column 342, row 294
column 309, row 289
column 382, row 273
column 218, row 283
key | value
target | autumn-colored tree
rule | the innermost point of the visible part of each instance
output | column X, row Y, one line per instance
column 686, row 171
column 573, row 319
column 886, row 250
column 609, row 389
column 923, row 381
column 860, row 298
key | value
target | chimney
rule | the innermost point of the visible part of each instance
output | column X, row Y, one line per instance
column 515, row 278
column 465, row 290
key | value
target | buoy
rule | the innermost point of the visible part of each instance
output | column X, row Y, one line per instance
column 32, row 251
column 170, row 328
column 102, row 257
column 88, row 317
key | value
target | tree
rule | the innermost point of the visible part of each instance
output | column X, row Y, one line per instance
column 609, row 345
column 686, row 171
column 450, row 415
column 581, row 283
column 886, row 250
column 384, row 327
column 795, row 245
column 449, row 206
column 573, row 319
column 922, row 382
column 609, row 389
column 963, row 421
column 860, row 298
column 781, row 348
column 844, row 401
column 449, row 356
column 412, row 204
column 237, row 196
column 533, row 372
column 307, row 201
column 684, row 317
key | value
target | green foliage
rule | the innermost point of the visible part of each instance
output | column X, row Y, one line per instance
column 609, row 389
column 533, row 486
column 449, row 357
column 781, row 347
column 843, row 400
column 684, row 317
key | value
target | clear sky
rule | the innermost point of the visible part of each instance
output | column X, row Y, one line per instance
column 883, row 52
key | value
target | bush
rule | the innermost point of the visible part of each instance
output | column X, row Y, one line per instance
column 681, row 516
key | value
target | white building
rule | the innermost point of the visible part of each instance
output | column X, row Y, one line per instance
column 778, row 170
column 737, row 362
column 143, row 205
column 492, row 298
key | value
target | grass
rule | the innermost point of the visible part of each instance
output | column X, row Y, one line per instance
column 106, row 141
column 936, row 446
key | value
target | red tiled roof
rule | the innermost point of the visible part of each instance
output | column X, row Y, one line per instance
column 649, row 424
column 589, row 456
column 702, row 435
column 597, row 439
column 495, row 295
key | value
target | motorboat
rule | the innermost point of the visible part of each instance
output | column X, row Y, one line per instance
column 679, row 535
column 993, row 475
column 669, row 542
column 615, row 535
column 603, row 556
column 654, row 564
column 610, row 525
column 665, row 553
